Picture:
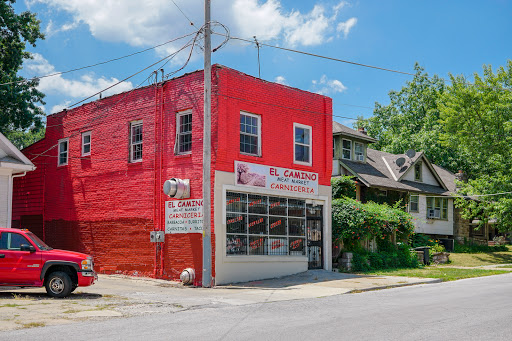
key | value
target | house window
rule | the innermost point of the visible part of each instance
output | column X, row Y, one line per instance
column 347, row 149
column 359, row 151
column 265, row 225
column 136, row 141
column 63, row 152
column 414, row 203
column 437, row 208
column 302, row 144
column 417, row 171
column 250, row 132
column 86, row 143
column 184, row 132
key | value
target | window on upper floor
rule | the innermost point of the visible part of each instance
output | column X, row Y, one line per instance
column 136, row 141
column 417, row 172
column 302, row 144
column 359, row 151
column 63, row 152
column 86, row 143
column 250, row 134
column 183, row 132
column 347, row 149
column 414, row 203
column 437, row 208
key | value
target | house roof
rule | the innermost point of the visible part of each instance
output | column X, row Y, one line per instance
column 12, row 159
column 340, row 129
column 380, row 170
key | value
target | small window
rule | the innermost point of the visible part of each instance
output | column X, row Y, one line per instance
column 136, row 141
column 86, row 143
column 302, row 144
column 359, row 151
column 250, row 133
column 184, row 132
column 437, row 208
column 417, row 172
column 414, row 203
column 63, row 152
column 347, row 150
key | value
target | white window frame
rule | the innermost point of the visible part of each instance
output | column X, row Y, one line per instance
column 417, row 203
column 87, row 133
column 441, row 208
column 420, row 178
column 179, row 133
column 310, row 145
column 356, row 156
column 258, row 136
column 132, row 125
column 343, row 149
column 61, row 152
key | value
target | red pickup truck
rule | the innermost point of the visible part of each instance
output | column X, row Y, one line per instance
column 26, row 261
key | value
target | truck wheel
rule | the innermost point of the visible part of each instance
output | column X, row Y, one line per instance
column 58, row 284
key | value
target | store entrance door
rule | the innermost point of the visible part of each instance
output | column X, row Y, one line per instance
column 314, row 227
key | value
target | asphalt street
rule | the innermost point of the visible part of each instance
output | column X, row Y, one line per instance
column 471, row 309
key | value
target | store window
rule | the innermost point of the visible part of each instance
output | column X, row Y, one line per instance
column 437, row 208
column 184, row 132
column 302, row 144
column 86, row 143
column 265, row 225
column 250, row 134
column 136, row 141
column 63, row 152
column 347, row 150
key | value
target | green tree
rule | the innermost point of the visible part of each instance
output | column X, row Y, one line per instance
column 411, row 121
column 477, row 119
column 19, row 98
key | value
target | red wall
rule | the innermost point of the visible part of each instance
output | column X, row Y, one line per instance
column 106, row 206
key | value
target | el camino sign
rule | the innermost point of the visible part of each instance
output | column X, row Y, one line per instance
column 184, row 216
column 276, row 178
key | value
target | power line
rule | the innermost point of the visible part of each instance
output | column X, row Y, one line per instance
column 100, row 63
column 190, row 21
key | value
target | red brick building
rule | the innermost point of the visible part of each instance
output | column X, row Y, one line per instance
column 101, row 167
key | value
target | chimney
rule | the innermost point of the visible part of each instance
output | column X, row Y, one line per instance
column 361, row 130
column 461, row 176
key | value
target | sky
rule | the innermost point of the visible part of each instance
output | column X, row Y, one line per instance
column 457, row 37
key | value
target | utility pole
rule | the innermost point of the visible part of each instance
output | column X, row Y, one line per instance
column 207, row 147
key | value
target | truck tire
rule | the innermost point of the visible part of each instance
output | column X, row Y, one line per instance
column 58, row 284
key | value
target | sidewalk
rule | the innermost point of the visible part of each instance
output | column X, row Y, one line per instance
column 123, row 296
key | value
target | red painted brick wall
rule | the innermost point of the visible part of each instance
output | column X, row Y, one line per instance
column 106, row 206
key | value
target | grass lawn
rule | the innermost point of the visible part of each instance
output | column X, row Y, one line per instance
column 478, row 259
column 446, row 274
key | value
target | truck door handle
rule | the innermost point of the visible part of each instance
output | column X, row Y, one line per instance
column 2, row 255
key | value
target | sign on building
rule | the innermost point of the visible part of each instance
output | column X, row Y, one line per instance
column 276, row 178
column 184, row 216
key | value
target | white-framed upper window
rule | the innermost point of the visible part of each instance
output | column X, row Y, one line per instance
column 302, row 137
column 414, row 203
column 86, row 143
column 417, row 172
column 250, row 134
column 359, row 151
column 183, row 132
column 136, row 141
column 347, row 149
column 62, row 160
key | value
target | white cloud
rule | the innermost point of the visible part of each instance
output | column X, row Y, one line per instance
column 346, row 26
column 60, row 107
column 280, row 80
column 146, row 23
column 52, row 29
column 86, row 86
column 326, row 86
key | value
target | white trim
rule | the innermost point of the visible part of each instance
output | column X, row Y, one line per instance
column 356, row 157
column 177, row 139
column 389, row 168
column 59, row 152
column 132, row 125
column 87, row 133
column 15, row 151
column 343, row 149
column 310, row 145
column 258, row 118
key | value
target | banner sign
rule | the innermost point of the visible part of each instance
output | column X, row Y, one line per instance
column 184, row 216
column 276, row 178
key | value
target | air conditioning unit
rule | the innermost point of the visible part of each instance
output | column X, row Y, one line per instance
column 360, row 157
column 434, row 214
column 177, row 188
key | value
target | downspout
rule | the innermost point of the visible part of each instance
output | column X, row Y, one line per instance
column 9, row 198
column 160, row 209
column 155, row 219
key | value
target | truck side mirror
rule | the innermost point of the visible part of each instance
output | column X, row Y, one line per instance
column 26, row 247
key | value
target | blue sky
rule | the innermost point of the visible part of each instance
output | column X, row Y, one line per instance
column 443, row 36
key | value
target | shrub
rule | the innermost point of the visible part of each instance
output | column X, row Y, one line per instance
column 399, row 256
column 343, row 186
column 469, row 247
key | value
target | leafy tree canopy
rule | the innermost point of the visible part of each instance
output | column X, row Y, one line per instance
column 19, row 113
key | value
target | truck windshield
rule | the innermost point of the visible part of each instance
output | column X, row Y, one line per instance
column 40, row 244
